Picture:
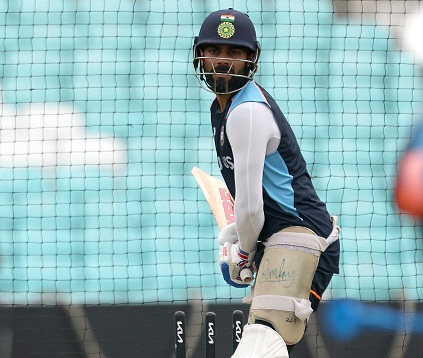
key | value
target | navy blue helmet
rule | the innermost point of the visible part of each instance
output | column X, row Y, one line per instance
column 226, row 27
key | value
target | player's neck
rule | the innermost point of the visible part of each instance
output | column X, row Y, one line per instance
column 223, row 100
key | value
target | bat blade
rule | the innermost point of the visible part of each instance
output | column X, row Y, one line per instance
column 218, row 197
column 221, row 204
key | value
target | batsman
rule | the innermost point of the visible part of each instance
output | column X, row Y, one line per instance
column 282, row 230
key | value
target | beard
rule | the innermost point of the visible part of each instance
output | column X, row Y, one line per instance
column 223, row 85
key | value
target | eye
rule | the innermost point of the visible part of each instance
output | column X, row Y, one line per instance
column 211, row 50
column 237, row 53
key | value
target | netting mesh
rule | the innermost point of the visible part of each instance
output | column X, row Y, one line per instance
column 102, row 121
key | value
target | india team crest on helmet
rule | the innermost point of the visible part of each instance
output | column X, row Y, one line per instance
column 226, row 29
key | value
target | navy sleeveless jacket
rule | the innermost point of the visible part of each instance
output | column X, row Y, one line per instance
column 288, row 193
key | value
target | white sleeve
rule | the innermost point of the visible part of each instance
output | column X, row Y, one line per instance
column 253, row 134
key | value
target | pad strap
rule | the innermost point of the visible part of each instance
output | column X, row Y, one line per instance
column 300, row 306
column 305, row 240
column 334, row 235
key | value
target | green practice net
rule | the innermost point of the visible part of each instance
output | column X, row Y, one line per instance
column 102, row 121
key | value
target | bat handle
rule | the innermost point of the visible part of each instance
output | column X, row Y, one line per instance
column 246, row 274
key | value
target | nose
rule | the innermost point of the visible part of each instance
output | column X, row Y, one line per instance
column 221, row 64
column 223, row 59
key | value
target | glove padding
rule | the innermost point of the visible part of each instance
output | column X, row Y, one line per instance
column 233, row 260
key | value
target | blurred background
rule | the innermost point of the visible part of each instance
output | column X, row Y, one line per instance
column 104, row 233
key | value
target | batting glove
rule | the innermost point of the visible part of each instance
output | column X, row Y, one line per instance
column 234, row 263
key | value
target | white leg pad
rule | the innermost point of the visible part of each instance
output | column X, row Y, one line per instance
column 259, row 341
column 282, row 290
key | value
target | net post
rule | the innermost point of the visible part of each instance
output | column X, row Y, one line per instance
column 180, row 329
column 237, row 326
column 210, row 335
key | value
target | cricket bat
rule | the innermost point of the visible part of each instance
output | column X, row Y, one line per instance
column 218, row 197
column 221, row 204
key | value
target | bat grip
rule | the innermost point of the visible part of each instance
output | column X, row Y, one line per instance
column 246, row 274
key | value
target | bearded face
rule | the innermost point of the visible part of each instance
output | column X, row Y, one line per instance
column 226, row 69
column 229, row 83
